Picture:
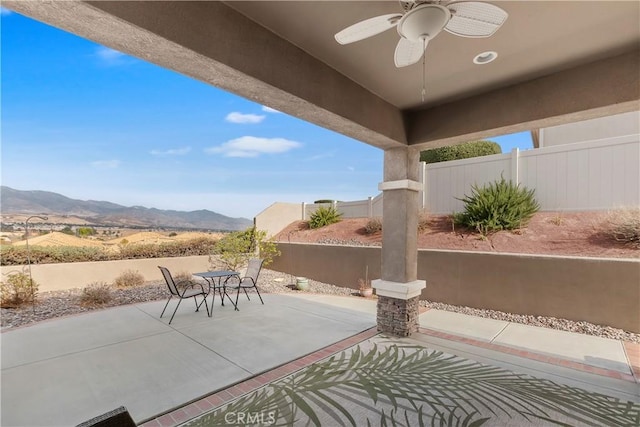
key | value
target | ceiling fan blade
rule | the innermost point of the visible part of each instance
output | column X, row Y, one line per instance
column 475, row 19
column 367, row 28
column 409, row 52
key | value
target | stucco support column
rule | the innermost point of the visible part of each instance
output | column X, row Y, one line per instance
column 399, row 290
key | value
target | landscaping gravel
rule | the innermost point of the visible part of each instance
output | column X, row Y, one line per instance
column 63, row 303
column 545, row 322
column 347, row 242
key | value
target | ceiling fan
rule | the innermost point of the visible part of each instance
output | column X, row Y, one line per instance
column 422, row 20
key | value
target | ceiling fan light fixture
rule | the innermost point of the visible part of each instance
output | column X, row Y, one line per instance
column 423, row 22
column 485, row 57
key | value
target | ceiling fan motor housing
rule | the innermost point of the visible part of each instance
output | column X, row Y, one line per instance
column 424, row 22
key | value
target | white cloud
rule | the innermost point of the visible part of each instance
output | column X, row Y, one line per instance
column 236, row 117
column 251, row 146
column 171, row 152
column 5, row 12
column 106, row 164
column 110, row 56
column 321, row 156
column 270, row 110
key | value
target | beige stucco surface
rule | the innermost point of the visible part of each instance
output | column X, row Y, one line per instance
column 597, row 290
column 276, row 217
column 55, row 277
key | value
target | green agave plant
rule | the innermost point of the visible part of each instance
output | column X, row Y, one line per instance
column 413, row 386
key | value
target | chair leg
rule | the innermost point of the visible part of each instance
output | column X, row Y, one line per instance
column 245, row 292
column 237, row 296
column 213, row 300
column 220, row 292
column 165, row 306
column 204, row 298
column 174, row 311
column 259, row 296
column 226, row 294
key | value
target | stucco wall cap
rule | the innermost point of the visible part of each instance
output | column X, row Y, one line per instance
column 403, row 291
column 402, row 184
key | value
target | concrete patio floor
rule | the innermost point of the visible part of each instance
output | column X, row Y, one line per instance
column 64, row 371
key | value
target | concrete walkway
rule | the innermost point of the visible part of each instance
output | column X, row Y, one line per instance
column 589, row 350
column 64, row 371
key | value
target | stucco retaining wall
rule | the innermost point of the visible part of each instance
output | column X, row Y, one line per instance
column 598, row 290
column 55, row 277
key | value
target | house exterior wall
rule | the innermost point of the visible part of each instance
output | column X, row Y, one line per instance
column 591, row 130
column 277, row 216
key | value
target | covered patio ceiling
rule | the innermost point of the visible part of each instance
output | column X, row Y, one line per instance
column 557, row 62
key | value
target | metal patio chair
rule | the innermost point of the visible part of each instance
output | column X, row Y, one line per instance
column 191, row 290
column 249, row 281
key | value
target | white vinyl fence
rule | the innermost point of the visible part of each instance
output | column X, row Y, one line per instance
column 356, row 209
column 596, row 175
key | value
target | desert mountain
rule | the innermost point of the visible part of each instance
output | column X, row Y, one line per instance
column 106, row 213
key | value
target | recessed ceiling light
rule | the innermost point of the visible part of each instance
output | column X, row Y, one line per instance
column 485, row 57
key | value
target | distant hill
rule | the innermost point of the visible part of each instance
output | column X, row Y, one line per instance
column 106, row 213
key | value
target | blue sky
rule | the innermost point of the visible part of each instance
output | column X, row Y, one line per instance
column 91, row 123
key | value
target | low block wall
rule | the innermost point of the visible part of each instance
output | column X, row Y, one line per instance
column 55, row 277
column 598, row 290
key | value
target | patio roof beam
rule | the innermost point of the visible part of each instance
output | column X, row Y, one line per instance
column 601, row 88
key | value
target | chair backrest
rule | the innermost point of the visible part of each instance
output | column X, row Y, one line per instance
column 167, row 278
column 253, row 270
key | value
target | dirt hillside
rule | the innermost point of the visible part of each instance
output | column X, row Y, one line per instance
column 575, row 234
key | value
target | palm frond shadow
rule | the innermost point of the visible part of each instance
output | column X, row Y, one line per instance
column 413, row 386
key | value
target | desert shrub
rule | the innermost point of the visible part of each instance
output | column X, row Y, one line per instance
column 182, row 278
column 198, row 246
column 52, row 254
column 623, row 225
column 97, row 293
column 236, row 248
column 56, row 254
column 68, row 230
column 460, row 151
column 323, row 216
column 373, row 226
column 129, row 279
column 500, row 205
column 17, row 290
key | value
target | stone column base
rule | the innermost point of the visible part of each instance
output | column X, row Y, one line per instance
column 398, row 306
column 398, row 316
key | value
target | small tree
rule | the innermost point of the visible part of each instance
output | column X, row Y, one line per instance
column 236, row 248
column 86, row 231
